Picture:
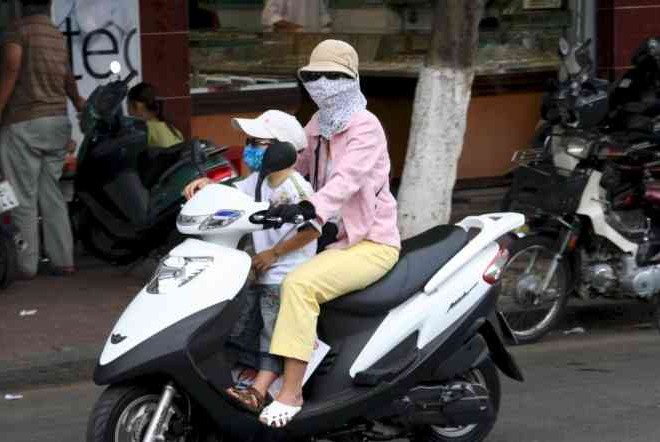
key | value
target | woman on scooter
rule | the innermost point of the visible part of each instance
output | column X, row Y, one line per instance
column 348, row 162
column 143, row 103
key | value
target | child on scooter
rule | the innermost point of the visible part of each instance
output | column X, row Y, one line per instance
column 278, row 252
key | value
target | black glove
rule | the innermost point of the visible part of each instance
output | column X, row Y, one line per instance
column 289, row 212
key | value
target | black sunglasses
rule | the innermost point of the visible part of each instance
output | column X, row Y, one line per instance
column 307, row 76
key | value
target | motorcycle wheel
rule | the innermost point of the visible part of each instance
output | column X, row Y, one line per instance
column 123, row 413
column 100, row 244
column 485, row 374
column 531, row 315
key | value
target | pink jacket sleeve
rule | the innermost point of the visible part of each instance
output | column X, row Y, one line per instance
column 304, row 161
column 352, row 171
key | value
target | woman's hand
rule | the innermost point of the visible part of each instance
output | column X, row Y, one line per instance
column 264, row 260
column 195, row 186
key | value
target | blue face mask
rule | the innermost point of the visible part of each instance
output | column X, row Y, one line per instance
column 253, row 157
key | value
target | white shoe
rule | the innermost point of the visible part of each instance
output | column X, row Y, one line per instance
column 278, row 415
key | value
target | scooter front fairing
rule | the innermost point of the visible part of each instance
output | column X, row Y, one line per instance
column 195, row 276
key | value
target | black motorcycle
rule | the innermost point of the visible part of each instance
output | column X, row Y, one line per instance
column 589, row 191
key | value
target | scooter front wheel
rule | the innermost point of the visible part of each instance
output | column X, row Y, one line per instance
column 123, row 413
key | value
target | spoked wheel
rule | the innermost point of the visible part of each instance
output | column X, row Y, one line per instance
column 487, row 376
column 530, row 311
column 123, row 414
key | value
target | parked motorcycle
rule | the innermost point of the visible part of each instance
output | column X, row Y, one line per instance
column 589, row 193
column 11, row 241
column 127, row 193
column 417, row 353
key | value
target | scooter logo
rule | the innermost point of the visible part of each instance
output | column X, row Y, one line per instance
column 116, row 338
column 462, row 297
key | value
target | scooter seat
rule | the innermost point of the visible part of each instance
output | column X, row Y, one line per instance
column 421, row 257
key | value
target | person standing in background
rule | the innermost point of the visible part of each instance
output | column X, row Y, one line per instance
column 35, row 82
column 296, row 16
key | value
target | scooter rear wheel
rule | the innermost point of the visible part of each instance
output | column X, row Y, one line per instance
column 487, row 375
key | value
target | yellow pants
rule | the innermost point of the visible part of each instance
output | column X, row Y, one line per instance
column 327, row 276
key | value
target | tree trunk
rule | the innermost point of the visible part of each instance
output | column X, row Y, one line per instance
column 439, row 117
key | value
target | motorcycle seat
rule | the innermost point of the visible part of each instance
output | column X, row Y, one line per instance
column 421, row 257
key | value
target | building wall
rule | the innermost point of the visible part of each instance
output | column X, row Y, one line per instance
column 166, row 58
column 622, row 26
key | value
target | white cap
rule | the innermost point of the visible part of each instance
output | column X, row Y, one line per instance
column 274, row 124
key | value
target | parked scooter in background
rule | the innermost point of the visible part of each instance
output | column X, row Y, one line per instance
column 11, row 241
column 127, row 193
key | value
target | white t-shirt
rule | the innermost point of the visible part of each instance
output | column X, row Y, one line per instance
column 293, row 190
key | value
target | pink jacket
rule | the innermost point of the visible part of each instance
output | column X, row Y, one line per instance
column 358, row 187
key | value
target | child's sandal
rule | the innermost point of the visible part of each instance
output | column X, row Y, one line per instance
column 247, row 398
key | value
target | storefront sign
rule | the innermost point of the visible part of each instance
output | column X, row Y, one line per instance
column 98, row 32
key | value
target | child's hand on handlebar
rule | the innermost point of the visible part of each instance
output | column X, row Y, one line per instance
column 195, row 186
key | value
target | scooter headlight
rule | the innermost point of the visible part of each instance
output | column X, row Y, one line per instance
column 222, row 218
column 188, row 220
column 175, row 272
column 578, row 147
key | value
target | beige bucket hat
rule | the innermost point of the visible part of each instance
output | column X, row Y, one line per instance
column 333, row 56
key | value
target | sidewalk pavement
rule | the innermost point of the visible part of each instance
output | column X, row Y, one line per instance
column 61, row 341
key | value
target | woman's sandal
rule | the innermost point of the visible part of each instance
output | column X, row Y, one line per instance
column 247, row 398
column 278, row 415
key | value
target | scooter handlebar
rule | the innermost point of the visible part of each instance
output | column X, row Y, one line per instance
column 261, row 218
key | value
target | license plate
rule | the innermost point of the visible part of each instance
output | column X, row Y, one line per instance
column 8, row 199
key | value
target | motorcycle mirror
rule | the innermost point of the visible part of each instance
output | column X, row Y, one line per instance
column 115, row 67
column 564, row 47
column 279, row 156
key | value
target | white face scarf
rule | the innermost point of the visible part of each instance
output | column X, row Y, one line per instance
column 338, row 100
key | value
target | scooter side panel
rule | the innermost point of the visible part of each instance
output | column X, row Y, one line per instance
column 591, row 206
column 149, row 313
column 322, row 414
column 429, row 314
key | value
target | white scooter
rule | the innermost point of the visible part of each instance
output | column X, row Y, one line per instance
column 414, row 355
